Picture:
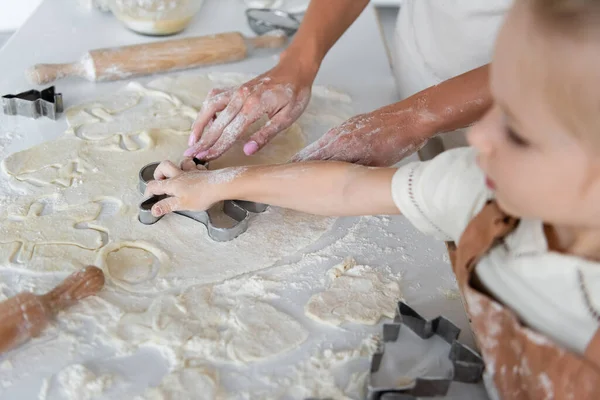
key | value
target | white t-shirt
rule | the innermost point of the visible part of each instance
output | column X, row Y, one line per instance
column 441, row 196
column 436, row 40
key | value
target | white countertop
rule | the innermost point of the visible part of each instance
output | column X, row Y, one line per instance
column 60, row 31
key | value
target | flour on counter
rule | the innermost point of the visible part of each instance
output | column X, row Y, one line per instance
column 93, row 170
column 450, row 294
column 229, row 322
column 43, row 394
column 6, row 140
column 199, row 305
column 357, row 293
column 185, row 384
column 316, row 378
column 76, row 382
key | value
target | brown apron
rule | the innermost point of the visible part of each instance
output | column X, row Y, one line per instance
column 524, row 364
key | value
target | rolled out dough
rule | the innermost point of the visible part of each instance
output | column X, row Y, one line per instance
column 95, row 165
column 357, row 293
column 216, row 323
column 73, row 202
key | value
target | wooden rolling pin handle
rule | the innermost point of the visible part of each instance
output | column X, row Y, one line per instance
column 267, row 41
column 79, row 285
column 26, row 315
column 41, row 74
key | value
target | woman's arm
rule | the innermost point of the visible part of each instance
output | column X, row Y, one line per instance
column 282, row 93
column 385, row 136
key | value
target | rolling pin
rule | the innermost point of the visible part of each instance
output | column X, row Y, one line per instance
column 26, row 314
column 149, row 58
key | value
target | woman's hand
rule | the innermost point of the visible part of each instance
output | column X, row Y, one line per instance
column 281, row 93
column 385, row 136
column 380, row 138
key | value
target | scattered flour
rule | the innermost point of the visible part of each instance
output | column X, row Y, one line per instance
column 226, row 176
column 357, row 293
column 78, row 383
column 316, row 377
column 185, row 384
column 193, row 300
column 43, row 394
column 229, row 322
column 450, row 294
column 6, row 139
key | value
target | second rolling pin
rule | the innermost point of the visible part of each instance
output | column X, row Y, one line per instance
column 25, row 315
column 149, row 58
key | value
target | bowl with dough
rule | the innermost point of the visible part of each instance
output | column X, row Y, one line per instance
column 155, row 17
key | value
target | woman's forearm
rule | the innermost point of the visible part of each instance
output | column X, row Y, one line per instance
column 323, row 188
column 450, row 105
column 323, row 24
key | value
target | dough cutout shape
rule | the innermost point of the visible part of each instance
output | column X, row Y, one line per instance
column 185, row 384
column 357, row 293
column 73, row 201
column 76, row 382
column 210, row 327
column 99, row 157
column 60, row 227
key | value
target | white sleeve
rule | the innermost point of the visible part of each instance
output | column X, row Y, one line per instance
column 440, row 197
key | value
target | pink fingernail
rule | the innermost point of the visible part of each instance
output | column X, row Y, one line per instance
column 202, row 154
column 191, row 140
column 250, row 148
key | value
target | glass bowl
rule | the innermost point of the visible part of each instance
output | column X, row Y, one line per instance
column 155, row 17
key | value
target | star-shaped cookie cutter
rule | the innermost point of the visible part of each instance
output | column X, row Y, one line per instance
column 238, row 210
column 467, row 364
column 33, row 103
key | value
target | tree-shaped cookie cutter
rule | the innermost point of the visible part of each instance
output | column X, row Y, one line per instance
column 33, row 103
column 238, row 210
column 467, row 364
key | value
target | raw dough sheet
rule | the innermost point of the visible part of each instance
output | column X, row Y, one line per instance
column 182, row 315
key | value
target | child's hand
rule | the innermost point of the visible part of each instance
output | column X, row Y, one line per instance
column 167, row 169
column 189, row 188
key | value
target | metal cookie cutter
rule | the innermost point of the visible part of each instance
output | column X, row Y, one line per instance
column 264, row 20
column 239, row 211
column 467, row 364
column 33, row 103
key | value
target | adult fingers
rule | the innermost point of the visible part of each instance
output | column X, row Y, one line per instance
column 313, row 151
column 279, row 122
column 234, row 130
column 210, row 137
column 166, row 169
column 216, row 101
column 166, row 206
column 302, row 156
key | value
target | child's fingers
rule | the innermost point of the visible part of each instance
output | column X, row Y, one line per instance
column 155, row 188
column 166, row 169
column 166, row 206
column 188, row 164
